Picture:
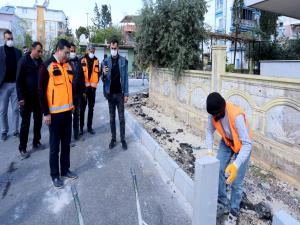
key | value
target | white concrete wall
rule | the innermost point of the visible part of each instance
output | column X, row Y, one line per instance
column 271, row 104
column 280, row 68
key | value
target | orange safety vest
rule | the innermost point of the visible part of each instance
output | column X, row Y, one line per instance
column 93, row 81
column 59, row 90
column 232, row 112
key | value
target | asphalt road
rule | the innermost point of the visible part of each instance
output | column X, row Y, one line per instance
column 105, row 186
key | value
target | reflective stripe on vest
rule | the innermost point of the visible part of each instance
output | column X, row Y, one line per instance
column 61, row 107
column 59, row 89
column 232, row 112
column 94, row 79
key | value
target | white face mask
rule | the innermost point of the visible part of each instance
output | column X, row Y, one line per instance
column 91, row 55
column 10, row 43
column 113, row 53
column 72, row 55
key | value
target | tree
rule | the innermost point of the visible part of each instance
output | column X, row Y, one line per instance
column 48, row 52
column 102, row 35
column 237, row 18
column 169, row 33
column 68, row 30
column 268, row 23
column 97, row 20
column 28, row 40
column 105, row 16
column 82, row 30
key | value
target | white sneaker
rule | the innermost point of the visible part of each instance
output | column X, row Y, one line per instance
column 231, row 220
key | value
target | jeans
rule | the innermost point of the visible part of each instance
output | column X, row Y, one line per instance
column 224, row 155
column 60, row 131
column 116, row 101
column 8, row 92
column 90, row 100
column 31, row 105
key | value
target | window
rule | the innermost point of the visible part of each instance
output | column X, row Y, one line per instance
column 220, row 23
column 219, row 4
column 247, row 14
column 24, row 11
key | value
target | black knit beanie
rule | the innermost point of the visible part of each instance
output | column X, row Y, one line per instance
column 215, row 103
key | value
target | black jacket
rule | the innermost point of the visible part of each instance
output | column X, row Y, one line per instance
column 27, row 77
column 3, row 62
column 78, row 79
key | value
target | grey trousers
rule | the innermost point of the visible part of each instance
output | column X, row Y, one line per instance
column 8, row 92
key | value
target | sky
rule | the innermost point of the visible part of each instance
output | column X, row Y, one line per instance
column 76, row 9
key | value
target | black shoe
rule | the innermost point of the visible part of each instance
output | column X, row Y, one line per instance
column 38, row 146
column 70, row 175
column 24, row 154
column 91, row 131
column 57, row 182
column 4, row 137
column 124, row 145
column 16, row 134
column 81, row 132
column 112, row 144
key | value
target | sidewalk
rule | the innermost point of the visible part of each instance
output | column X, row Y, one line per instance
column 105, row 186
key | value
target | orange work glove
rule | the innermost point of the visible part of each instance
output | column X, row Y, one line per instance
column 231, row 171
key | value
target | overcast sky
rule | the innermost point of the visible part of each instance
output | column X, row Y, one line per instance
column 76, row 9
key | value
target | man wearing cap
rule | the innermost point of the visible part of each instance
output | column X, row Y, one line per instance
column 91, row 69
column 234, row 151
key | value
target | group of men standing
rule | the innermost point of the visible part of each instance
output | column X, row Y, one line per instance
column 55, row 91
column 65, row 85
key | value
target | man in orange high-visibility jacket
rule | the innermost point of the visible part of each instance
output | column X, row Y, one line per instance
column 55, row 89
column 91, row 69
column 234, row 151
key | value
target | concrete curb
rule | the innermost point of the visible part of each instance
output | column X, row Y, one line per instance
column 283, row 218
column 181, row 180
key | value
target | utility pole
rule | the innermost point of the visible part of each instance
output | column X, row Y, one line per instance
column 87, row 20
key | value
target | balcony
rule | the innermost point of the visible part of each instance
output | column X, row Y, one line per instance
column 129, row 28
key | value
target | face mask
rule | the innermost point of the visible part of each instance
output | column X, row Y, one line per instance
column 91, row 55
column 113, row 53
column 10, row 43
column 72, row 55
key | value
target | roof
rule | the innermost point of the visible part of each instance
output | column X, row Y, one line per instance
column 8, row 10
column 128, row 19
column 288, row 8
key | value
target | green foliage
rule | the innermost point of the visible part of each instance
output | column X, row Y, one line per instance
column 237, row 9
column 99, row 36
column 267, row 23
column 48, row 52
column 275, row 51
column 105, row 16
column 230, row 68
column 82, row 30
column 292, row 49
column 28, row 40
column 102, row 19
column 169, row 33
column 97, row 17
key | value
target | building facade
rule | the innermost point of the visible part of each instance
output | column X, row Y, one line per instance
column 128, row 27
column 42, row 23
column 220, row 20
column 8, row 20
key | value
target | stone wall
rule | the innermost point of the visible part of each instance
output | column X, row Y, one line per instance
column 272, row 106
